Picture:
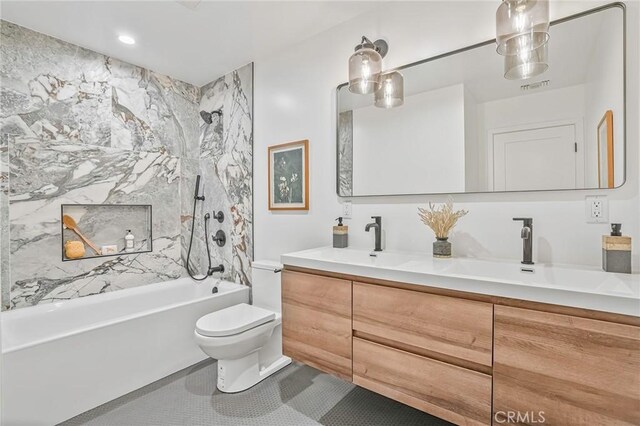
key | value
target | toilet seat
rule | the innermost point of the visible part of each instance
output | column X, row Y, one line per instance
column 233, row 320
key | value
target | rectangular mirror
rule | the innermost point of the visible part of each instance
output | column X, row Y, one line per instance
column 465, row 128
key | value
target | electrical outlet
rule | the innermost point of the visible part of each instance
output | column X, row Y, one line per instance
column 346, row 209
column 597, row 209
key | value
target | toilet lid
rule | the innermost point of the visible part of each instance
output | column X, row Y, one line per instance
column 233, row 320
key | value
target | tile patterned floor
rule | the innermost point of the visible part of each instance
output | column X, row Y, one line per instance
column 295, row 396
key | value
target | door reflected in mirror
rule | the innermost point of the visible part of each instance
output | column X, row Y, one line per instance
column 465, row 128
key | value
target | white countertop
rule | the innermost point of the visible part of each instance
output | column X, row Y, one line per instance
column 580, row 287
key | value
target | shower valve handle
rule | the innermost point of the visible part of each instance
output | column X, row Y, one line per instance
column 220, row 238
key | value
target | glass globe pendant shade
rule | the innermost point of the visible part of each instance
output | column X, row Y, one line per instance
column 521, row 25
column 526, row 64
column 365, row 69
column 390, row 94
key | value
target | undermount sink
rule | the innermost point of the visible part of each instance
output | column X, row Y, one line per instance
column 585, row 287
column 588, row 279
column 381, row 259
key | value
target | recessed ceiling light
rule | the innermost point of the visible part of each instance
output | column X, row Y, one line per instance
column 126, row 39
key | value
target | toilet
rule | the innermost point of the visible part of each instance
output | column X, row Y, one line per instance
column 247, row 339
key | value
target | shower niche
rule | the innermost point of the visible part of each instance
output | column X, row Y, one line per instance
column 101, row 230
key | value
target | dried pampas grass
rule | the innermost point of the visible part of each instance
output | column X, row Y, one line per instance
column 442, row 219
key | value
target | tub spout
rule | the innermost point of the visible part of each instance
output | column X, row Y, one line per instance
column 214, row 269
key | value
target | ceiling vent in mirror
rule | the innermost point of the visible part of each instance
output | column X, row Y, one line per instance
column 365, row 66
column 536, row 85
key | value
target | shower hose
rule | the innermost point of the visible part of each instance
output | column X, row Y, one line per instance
column 206, row 239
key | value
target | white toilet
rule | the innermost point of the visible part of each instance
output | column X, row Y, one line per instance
column 247, row 339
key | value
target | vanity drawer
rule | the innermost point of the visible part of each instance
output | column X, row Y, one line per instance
column 450, row 392
column 434, row 325
column 568, row 369
column 316, row 321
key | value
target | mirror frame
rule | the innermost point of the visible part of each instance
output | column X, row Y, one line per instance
column 619, row 5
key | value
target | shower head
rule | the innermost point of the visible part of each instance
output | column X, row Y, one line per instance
column 208, row 116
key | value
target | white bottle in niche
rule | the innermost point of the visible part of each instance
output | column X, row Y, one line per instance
column 129, row 240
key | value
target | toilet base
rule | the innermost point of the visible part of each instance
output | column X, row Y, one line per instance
column 236, row 375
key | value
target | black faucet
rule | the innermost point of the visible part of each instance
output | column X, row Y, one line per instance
column 377, row 225
column 526, row 233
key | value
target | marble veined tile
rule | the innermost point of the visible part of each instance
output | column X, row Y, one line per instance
column 53, row 90
column 226, row 161
column 46, row 175
column 4, row 220
column 78, row 127
column 153, row 112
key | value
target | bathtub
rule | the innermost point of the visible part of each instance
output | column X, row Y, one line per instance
column 61, row 359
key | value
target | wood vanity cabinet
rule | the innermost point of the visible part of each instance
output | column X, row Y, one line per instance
column 574, row 370
column 466, row 358
column 316, row 321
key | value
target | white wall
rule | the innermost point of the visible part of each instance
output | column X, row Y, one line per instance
column 604, row 92
column 416, row 148
column 532, row 109
column 295, row 99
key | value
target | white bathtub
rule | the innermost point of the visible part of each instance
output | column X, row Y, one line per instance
column 64, row 358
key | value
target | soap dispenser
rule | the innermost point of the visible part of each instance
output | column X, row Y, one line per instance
column 616, row 251
column 340, row 235
column 129, row 241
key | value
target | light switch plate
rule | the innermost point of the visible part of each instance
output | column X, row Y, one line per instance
column 346, row 209
column 597, row 209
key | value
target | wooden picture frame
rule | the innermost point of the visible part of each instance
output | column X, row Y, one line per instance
column 605, row 151
column 289, row 176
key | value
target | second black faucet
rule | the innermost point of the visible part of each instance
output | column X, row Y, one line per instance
column 377, row 225
column 526, row 233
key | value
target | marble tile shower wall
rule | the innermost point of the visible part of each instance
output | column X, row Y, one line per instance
column 80, row 127
column 226, row 169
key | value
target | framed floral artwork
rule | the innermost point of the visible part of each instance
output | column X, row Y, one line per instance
column 289, row 176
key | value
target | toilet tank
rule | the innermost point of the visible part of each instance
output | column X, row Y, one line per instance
column 265, row 284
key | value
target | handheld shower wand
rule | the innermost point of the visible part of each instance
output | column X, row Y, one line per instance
column 196, row 197
column 210, row 270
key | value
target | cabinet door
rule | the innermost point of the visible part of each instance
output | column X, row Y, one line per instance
column 449, row 326
column 564, row 370
column 450, row 392
column 316, row 321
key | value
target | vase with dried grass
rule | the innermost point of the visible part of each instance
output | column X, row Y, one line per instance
column 441, row 220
